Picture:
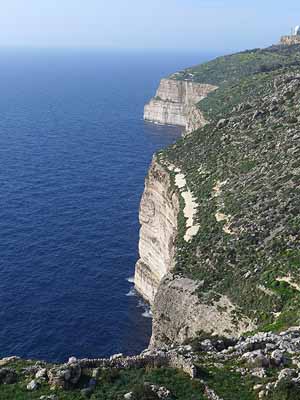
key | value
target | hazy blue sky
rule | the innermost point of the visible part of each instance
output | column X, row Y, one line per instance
column 166, row 24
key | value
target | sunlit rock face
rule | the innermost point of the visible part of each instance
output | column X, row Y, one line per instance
column 158, row 217
column 174, row 104
column 179, row 314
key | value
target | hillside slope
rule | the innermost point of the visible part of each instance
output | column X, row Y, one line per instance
column 237, row 183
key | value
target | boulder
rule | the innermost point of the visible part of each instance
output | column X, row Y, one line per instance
column 65, row 376
column 277, row 358
column 286, row 374
column 259, row 373
column 72, row 360
column 116, row 356
column 256, row 359
column 41, row 373
column 222, row 123
column 32, row 385
column 128, row 396
column 162, row 392
column 206, row 345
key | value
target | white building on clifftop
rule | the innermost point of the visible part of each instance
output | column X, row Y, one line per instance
column 294, row 38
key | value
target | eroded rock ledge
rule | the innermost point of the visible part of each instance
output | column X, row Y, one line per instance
column 175, row 104
column 179, row 315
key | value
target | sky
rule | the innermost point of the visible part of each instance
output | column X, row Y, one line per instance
column 209, row 25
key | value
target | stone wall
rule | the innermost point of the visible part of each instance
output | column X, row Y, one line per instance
column 173, row 358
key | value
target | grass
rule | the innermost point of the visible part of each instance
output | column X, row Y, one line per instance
column 239, row 65
column 112, row 385
column 231, row 385
column 257, row 155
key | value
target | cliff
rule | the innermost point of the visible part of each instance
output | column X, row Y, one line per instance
column 158, row 217
column 175, row 104
column 218, row 242
column 177, row 313
column 219, row 252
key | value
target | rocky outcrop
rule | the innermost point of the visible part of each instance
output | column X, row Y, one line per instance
column 65, row 376
column 158, row 217
column 179, row 314
column 246, row 361
column 195, row 119
column 175, row 104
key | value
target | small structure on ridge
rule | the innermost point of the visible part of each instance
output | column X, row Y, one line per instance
column 293, row 38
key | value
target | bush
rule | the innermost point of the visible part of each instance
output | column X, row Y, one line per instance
column 144, row 392
column 286, row 390
column 110, row 375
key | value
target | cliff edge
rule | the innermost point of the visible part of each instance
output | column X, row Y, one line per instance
column 219, row 253
column 158, row 217
column 219, row 239
column 175, row 104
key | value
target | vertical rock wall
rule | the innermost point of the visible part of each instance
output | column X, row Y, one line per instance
column 158, row 217
column 178, row 313
column 175, row 104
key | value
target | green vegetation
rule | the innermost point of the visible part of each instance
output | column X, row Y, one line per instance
column 254, row 155
column 111, row 385
column 240, row 65
column 286, row 390
column 245, row 176
column 231, row 385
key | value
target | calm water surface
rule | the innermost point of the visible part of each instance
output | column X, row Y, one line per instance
column 74, row 152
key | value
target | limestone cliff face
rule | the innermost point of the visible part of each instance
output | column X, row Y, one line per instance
column 179, row 314
column 195, row 119
column 174, row 104
column 158, row 217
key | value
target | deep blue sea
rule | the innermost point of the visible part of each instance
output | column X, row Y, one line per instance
column 74, row 152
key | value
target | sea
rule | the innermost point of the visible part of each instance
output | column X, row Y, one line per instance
column 74, row 153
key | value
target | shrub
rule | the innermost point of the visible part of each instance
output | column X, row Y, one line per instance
column 110, row 375
column 286, row 390
column 143, row 392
